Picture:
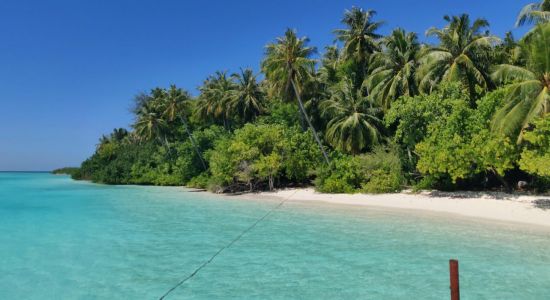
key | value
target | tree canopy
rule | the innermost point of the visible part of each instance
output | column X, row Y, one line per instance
column 372, row 113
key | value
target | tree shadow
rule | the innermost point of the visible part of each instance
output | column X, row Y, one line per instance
column 474, row 194
column 543, row 204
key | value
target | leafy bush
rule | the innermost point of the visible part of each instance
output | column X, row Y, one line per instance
column 282, row 113
column 410, row 117
column 262, row 154
column 342, row 176
column 377, row 172
column 199, row 182
column 66, row 171
column 188, row 164
column 535, row 157
column 460, row 144
column 383, row 171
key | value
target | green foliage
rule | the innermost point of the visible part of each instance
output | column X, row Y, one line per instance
column 528, row 94
column 460, row 144
column 359, row 37
column 200, row 181
column 410, row 116
column 537, row 13
column 383, row 171
column 463, row 55
column 187, row 164
column 342, row 176
column 282, row 113
column 535, row 157
column 377, row 172
column 260, row 154
column 66, row 171
column 394, row 70
column 448, row 123
column 354, row 124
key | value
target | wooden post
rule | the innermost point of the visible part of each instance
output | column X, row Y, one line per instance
column 455, row 289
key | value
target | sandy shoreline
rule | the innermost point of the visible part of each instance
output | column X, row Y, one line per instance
column 526, row 209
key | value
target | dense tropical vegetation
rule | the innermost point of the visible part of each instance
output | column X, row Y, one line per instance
column 372, row 114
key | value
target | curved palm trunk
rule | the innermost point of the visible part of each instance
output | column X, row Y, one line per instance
column 193, row 143
column 309, row 121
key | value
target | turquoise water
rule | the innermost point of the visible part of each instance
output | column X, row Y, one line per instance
column 62, row 239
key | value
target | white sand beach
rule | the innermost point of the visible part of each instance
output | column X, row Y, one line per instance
column 527, row 209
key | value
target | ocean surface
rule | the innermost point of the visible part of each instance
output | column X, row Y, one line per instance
column 62, row 239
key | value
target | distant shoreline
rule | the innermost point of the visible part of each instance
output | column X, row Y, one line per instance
column 492, row 206
column 6, row 171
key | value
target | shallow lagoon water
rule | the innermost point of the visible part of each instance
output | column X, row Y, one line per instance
column 62, row 239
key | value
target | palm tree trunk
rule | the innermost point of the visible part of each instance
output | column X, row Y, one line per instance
column 193, row 143
column 167, row 146
column 309, row 121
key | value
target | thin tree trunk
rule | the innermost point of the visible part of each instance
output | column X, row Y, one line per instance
column 309, row 121
column 271, row 186
column 168, row 149
column 501, row 179
column 195, row 146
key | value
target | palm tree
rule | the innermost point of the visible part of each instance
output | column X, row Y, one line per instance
column 174, row 107
column 463, row 54
column 103, row 140
column 534, row 13
column 215, row 96
column 529, row 92
column 353, row 124
column 150, row 124
column 394, row 70
column 118, row 134
column 287, row 66
column 360, row 38
column 328, row 72
column 247, row 98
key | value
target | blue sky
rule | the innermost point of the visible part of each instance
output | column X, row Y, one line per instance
column 69, row 69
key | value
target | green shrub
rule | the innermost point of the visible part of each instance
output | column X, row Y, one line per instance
column 431, row 182
column 377, row 172
column 66, row 171
column 383, row 171
column 342, row 176
column 261, row 155
column 199, row 182
column 460, row 145
column 535, row 157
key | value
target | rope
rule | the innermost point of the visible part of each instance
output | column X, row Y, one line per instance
column 204, row 264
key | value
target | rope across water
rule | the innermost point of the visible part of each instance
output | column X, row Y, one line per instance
column 204, row 264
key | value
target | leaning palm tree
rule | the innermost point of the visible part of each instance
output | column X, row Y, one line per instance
column 360, row 38
column 215, row 97
column 287, row 66
column 174, row 107
column 463, row 55
column 394, row 70
column 534, row 13
column 247, row 98
column 354, row 124
column 529, row 92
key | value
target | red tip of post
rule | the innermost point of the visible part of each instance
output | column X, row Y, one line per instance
column 455, row 288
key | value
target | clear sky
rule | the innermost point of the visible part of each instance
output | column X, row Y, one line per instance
column 69, row 69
